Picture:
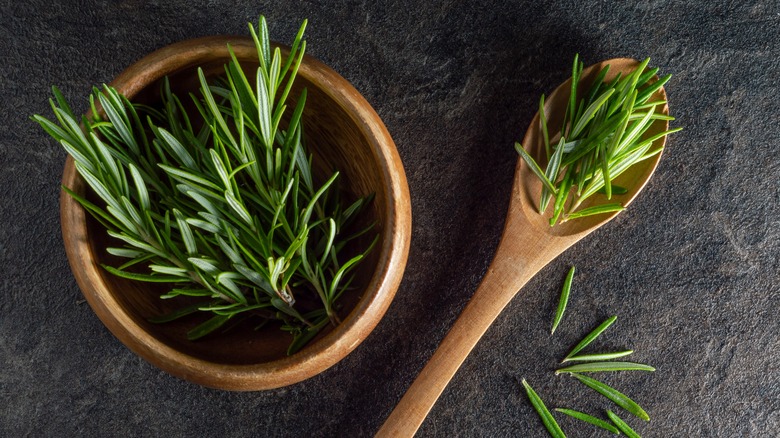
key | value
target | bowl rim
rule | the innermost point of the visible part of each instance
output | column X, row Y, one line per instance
column 314, row 358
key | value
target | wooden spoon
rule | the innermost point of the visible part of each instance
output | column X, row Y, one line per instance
column 527, row 245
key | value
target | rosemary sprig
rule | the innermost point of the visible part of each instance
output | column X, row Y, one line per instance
column 614, row 395
column 622, row 425
column 589, row 419
column 563, row 300
column 549, row 421
column 596, row 367
column 602, row 135
column 221, row 202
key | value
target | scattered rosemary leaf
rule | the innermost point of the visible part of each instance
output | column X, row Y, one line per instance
column 563, row 300
column 625, row 428
column 616, row 396
column 597, row 367
column 591, row 336
column 544, row 413
column 598, row 356
column 589, row 419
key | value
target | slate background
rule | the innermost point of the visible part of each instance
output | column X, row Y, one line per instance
column 691, row 268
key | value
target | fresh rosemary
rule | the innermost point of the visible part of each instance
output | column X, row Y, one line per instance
column 589, row 419
column 222, row 204
column 614, row 395
column 549, row 421
column 590, row 337
column 622, row 425
column 602, row 135
column 563, row 300
column 603, row 366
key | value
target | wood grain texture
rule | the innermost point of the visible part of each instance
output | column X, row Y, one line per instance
column 528, row 244
column 344, row 133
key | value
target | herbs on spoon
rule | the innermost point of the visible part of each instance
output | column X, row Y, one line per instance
column 601, row 136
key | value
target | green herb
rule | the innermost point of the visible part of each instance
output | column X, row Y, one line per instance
column 223, row 202
column 616, row 190
column 589, row 419
column 596, row 209
column 622, row 425
column 602, row 135
column 597, row 356
column 595, row 367
column 591, row 337
column 614, row 395
column 563, row 300
column 549, row 422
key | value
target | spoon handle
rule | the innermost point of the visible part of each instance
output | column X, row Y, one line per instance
column 508, row 272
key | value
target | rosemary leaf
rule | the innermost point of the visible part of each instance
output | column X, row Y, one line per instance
column 145, row 277
column 552, row 173
column 305, row 336
column 549, row 422
column 622, row 425
column 542, row 121
column 616, row 190
column 589, row 419
column 597, row 367
column 207, row 327
column 598, row 356
column 575, row 82
column 590, row 112
column 614, row 395
column 563, row 194
column 535, row 168
column 175, row 292
column 591, row 336
column 184, row 311
column 124, row 252
column 563, row 300
column 596, row 209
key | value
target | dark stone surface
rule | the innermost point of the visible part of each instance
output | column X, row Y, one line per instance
column 691, row 268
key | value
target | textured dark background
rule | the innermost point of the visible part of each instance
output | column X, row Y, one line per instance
column 691, row 268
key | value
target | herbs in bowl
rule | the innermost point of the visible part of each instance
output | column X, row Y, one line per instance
column 242, row 206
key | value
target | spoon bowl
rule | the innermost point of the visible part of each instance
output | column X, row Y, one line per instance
column 527, row 245
column 634, row 179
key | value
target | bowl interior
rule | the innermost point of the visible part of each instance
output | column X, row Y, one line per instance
column 338, row 139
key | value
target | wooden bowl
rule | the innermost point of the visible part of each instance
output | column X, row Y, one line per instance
column 344, row 133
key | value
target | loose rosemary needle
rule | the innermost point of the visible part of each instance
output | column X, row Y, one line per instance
column 622, row 425
column 595, row 357
column 589, row 419
column 563, row 300
column 549, row 421
column 596, row 367
column 614, row 395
